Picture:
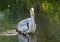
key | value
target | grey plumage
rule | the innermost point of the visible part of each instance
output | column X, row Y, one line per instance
column 27, row 25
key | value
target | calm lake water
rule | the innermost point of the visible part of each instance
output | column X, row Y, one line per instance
column 36, row 37
column 27, row 38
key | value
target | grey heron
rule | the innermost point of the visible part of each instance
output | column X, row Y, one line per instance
column 27, row 25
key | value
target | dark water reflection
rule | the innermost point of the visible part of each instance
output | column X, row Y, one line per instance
column 27, row 38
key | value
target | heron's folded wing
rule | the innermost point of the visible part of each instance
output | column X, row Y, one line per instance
column 22, row 25
column 22, row 28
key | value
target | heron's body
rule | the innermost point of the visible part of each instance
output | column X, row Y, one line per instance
column 27, row 25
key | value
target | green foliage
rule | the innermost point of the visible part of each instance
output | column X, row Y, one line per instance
column 8, row 39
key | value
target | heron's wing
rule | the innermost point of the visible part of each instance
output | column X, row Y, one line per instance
column 25, row 21
column 22, row 25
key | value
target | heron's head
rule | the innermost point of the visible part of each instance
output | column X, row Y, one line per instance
column 32, row 12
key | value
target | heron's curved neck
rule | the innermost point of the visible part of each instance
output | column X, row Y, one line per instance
column 32, row 19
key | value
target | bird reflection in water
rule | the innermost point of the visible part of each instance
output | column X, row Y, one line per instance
column 26, row 38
